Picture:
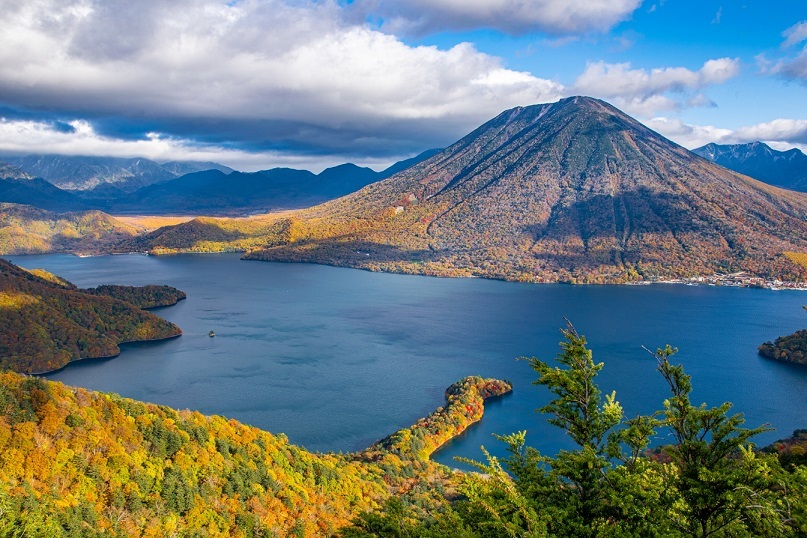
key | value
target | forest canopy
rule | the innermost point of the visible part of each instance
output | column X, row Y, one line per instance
column 47, row 322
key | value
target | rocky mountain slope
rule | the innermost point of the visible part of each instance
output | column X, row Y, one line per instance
column 573, row 191
column 9, row 171
column 786, row 169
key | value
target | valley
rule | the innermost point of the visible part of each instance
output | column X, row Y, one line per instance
column 403, row 269
column 573, row 192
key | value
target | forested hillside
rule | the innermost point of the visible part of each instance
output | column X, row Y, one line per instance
column 148, row 296
column 790, row 348
column 80, row 463
column 46, row 322
column 28, row 230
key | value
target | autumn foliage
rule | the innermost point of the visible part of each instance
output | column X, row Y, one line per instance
column 46, row 322
column 790, row 348
column 148, row 296
column 79, row 463
column 464, row 406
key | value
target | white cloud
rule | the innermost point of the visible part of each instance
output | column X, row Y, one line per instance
column 274, row 73
column 780, row 133
column 645, row 91
column 779, row 130
column 557, row 17
column 792, row 67
column 795, row 34
column 689, row 136
column 784, row 146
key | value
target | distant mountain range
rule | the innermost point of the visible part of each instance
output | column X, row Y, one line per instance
column 40, row 193
column 216, row 190
column 786, row 169
column 212, row 191
column 78, row 173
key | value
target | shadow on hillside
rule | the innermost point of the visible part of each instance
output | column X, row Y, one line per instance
column 619, row 216
column 344, row 251
column 188, row 233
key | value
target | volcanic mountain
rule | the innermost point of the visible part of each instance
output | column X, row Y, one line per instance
column 572, row 191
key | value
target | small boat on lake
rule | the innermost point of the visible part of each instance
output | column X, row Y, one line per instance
column 211, row 334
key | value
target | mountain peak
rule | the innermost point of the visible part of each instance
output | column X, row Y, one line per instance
column 579, row 103
column 569, row 191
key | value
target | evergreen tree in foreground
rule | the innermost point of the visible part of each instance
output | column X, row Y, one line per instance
column 708, row 483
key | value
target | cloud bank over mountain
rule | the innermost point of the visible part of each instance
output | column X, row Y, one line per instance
column 275, row 76
column 263, row 83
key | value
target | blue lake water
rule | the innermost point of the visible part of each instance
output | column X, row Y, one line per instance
column 338, row 358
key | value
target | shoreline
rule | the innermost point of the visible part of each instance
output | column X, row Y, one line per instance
column 715, row 279
column 469, row 425
column 736, row 280
column 464, row 406
column 105, row 357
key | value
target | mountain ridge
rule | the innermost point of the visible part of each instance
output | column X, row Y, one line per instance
column 25, row 229
column 211, row 191
column 787, row 169
column 84, row 173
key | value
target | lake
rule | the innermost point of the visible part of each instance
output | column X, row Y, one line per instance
column 337, row 358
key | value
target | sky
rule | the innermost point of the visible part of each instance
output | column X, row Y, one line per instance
column 256, row 84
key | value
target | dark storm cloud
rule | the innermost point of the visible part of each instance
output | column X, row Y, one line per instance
column 556, row 17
